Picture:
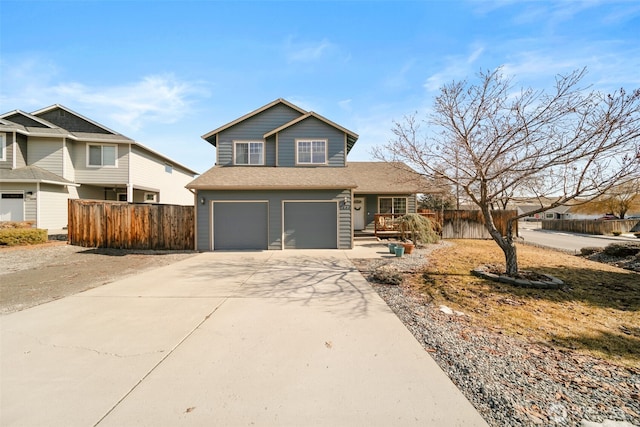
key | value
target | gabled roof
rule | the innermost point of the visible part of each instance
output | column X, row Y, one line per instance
column 352, row 137
column 33, row 174
column 52, row 130
column 387, row 177
column 273, row 178
column 29, row 116
column 78, row 115
column 251, row 114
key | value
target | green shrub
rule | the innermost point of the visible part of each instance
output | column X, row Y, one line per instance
column 622, row 249
column 22, row 236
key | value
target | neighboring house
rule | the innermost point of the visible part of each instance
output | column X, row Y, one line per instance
column 55, row 154
column 282, row 181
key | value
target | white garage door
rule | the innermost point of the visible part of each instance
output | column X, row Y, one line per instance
column 12, row 207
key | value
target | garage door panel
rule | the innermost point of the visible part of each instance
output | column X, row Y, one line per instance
column 310, row 225
column 240, row 225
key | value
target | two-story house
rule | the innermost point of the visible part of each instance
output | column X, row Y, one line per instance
column 55, row 154
column 282, row 181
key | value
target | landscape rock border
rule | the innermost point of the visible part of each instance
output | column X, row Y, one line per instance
column 550, row 283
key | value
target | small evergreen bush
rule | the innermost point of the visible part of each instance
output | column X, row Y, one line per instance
column 22, row 236
column 622, row 249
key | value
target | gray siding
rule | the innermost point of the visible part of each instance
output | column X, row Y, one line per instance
column 104, row 175
column 275, row 199
column 21, row 151
column 46, row 153
column 311, row 128
column 253, row 128
column 71, row 122
column 270, row 155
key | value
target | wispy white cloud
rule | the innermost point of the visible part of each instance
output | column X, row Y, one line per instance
column 456, row 67
column 33, row 83
column 305, row 52
column 156, row 98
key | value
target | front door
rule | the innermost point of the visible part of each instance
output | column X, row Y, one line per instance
column 359, row 213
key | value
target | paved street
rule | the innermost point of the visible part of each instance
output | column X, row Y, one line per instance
column 532, row 233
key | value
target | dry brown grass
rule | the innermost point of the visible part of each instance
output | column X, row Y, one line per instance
column 598, row 312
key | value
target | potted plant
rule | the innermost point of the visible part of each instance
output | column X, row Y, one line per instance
column 420, row 228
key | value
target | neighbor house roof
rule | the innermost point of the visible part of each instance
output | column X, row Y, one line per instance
column 273, row 178
column 387, row 177
column 51, row 130
column 33, row 174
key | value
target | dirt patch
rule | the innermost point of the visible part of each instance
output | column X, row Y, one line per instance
column 33, row 275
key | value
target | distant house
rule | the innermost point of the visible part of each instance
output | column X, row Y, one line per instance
column 282, row 181
column 55, row 154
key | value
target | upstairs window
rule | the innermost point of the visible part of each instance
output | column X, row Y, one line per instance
column 311, row 152
column 249, row 153
column 102, row 155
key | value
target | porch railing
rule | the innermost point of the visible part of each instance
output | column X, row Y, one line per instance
column 389, row 224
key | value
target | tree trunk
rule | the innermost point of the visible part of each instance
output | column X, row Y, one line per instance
column 506, row 243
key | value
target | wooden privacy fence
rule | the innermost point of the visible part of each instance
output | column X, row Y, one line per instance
column 104, row 224
column 467, row 224
column 590, row 226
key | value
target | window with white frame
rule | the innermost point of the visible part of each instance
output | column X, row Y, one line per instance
column 311, row 152
column 150, row 197
column 395, row 205
column 102, row 155
column 3, row 146
column 249, row 153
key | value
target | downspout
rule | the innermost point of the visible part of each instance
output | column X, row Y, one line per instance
column 15, row 150
column 353, row 230
column 37, row 205
column 64, row 156
column 129, row 178
column 277, row 153
column 195, row 218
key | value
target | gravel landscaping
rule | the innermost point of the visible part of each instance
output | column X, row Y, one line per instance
column 512, row 382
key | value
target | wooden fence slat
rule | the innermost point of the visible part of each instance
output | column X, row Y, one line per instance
column 132, row 226
column 590, row 226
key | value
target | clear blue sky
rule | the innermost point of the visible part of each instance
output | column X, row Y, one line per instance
column 167, row 72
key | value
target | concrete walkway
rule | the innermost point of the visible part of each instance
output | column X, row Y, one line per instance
column 248, row 338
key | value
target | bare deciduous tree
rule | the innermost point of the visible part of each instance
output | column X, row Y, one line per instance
column 495, row 142
column 618, row 200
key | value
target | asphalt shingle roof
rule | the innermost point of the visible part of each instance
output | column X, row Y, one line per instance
column 364, row 177
column 32, row 174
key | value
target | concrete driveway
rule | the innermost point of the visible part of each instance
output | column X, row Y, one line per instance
column 265, row 338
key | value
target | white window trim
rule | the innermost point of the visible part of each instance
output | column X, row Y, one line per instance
column 326, row 151
column 406, row 203
column 155, row 197
column 3, row 147
column 102, row 166
column 249, row 142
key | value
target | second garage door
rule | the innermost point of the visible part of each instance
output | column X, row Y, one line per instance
column 310, row 225
column 240, row 225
